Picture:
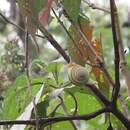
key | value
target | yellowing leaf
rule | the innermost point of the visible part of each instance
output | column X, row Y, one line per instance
column 96, row 44
column 74, row 48
column 77, row 49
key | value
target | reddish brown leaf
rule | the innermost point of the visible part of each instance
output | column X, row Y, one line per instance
column 44, row 15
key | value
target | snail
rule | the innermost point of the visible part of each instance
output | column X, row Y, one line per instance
column 77, row 74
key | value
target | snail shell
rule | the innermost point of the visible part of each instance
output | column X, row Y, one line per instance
column 78, row 74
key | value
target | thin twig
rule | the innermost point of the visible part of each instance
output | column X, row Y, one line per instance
column 116, row 89
column 54, row 43
column 10, row 22
column 94, row 6
column 28, row 77
column 52, row 113
column 123, row 63
column 66, row 113
column 40, row 36
column 17, row 26
column 55, row 119
column 92, row 65
column 76, row 103
column 48, row 121
column 119, row 57
column 124, row 106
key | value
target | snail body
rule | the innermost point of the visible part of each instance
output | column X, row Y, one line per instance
column 77, row 74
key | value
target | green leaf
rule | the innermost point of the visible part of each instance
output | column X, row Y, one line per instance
column 87, row 104
column 17, row 97
column 54, row 68
column 83, row 19
column 115, row 122
column 72, row 7
column 37, row 68
column 49, row 82
column 63, row 126
column 42, row 108
column 39, row 63
column 75, row 89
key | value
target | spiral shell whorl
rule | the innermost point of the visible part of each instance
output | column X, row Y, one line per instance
column 78, row 74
